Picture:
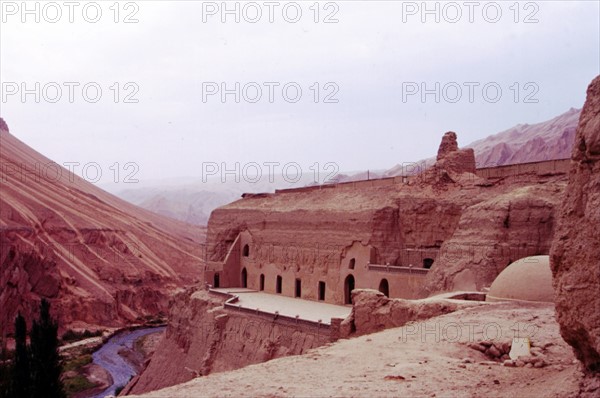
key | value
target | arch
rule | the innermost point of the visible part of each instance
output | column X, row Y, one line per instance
column 348, row 288
column 352, row 263
column 384, row 287
column 246, row 250
column 262, row 282
column 216, row 280
column 279, row 284
column 427, row 263
column 244, row 278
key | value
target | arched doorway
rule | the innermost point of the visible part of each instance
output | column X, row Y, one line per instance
column 348, row 288
column 216, row 280
column 262, row 282
column 384, row 287
column 244, row 278
column 246, row 251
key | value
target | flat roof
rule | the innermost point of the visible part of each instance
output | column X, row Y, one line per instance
column 288, row 306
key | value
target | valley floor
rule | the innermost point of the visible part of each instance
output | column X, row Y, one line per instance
column 429, row 358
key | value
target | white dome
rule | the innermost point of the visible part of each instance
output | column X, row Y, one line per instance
column 527, row 279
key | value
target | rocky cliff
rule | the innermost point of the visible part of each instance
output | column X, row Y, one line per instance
column 100, row 260
column 492, row 234
column 203, row 337
column 575, row 256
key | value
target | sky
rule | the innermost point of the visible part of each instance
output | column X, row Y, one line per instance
column 138, row 91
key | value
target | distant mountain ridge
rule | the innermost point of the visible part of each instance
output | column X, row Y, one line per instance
column 523, row 143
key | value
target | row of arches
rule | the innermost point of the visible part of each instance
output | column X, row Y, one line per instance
column 349, row 285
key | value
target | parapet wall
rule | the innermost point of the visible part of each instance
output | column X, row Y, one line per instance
column 538, row 168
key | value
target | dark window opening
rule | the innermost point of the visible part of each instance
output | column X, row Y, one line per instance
column 322, row 291
column 352, row 263
column 262, row 282
column 298, row 288
column 279, row 283
column 216, row 280
column 427, row 263
column 246, row 251
column 244, row 278
column 384, row 287
column 348, row 288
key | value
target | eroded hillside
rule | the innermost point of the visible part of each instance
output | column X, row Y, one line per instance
column 100, row 260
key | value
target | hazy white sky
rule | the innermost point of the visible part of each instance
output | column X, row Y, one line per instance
column 373, row 63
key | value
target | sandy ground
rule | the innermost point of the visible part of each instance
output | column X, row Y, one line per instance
column 429, row 358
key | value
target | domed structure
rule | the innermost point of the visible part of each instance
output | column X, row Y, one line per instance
column 527, row 279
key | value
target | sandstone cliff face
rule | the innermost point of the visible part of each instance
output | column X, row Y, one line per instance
column 99, row 260
column 575, row 256
column 494, row 233
column 203, row 337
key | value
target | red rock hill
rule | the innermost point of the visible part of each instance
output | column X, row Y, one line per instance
column 100, row 260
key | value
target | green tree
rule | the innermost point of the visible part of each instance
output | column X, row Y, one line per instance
column 45, row 359
column 21, row 376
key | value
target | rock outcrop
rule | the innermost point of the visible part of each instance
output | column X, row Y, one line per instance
column 372, row 312
column 451, row 158
column 100, row 260
column 575, row 256
column 449, row 144
column 453, row 165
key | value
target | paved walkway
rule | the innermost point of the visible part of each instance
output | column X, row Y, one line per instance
column 306, row 309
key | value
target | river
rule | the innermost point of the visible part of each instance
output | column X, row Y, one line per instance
column 108, row 357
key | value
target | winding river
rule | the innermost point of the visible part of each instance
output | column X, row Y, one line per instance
column 108, row 357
